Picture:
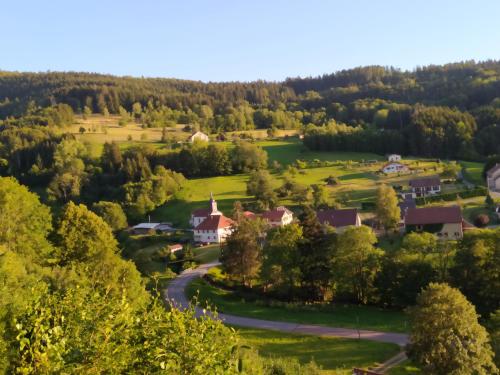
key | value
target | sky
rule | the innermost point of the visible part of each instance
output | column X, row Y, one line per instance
column 243, row 40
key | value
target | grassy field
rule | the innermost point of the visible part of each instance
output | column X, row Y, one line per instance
column 405, row 368
column 473, row 172
column 348, row 316
column 334, row 355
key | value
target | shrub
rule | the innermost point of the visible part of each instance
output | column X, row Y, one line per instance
column 481, row 220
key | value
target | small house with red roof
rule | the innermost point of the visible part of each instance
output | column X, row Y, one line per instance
column 339, row 219
column 278, row 217
column 446, row 222
column 210, row 225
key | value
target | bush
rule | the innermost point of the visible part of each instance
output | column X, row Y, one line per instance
column 478, row 191
column 481, row 220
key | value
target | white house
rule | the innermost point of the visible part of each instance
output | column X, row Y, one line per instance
column 198, row 136
column 339, row 219
column 394, row 168
column 278, row 217
column 393, row 157
column 493, row 180
column 422, row 187
column 175, row 247
column 210, row 225
column 445, row 222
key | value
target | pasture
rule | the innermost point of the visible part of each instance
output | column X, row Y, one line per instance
column 347, row 316
column 335, row 355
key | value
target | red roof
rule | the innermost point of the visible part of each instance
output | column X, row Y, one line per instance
column 249, row 214
column 276, row 214
column 338, row 218
column 425, row 182
column 175, row 247
column 433, row 215
column 215, row 222
column 202, row 212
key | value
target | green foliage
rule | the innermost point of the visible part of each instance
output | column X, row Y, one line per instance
column 24, row 221
column 446, row 338
column 387, row 209
column 260, row 185
column 112, row 213
column 478, row 191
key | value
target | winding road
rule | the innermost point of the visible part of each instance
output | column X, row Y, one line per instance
column 176, row 295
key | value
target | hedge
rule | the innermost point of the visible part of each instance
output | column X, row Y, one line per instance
column 478, row 191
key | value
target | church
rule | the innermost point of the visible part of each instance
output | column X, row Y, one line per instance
column 210, row 225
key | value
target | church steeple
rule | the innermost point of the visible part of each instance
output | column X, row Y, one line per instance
column 213, row 205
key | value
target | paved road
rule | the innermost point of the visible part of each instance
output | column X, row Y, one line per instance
column 176, row 295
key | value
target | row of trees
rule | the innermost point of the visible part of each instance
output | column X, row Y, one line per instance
column 309, row 261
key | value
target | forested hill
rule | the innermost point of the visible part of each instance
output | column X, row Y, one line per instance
column 464, row 85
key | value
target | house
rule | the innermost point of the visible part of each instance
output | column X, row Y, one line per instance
column 445, row 222
column 175, row 247
column 394, row 168
column 278, row 217
column 393, row 157
column 198, row 136
column 339, row 219
column 144, row 228
column 407, row 202
column 210, row 225
column 422, row 187
column 497, row 210
column 493, row 179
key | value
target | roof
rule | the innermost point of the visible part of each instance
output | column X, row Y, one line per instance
column 493, row 170
column 276, row 214
column 202, row 212
column 198, row 133
column 425, row 182
column 388, row 155
column 249, row 214
column 338, row 218
column 433, row 215
column 215, row 222
column 146, row 226
column 405, row 205
column 175, row 246
column 394, row 163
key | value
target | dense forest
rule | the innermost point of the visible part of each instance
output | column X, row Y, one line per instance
column 446, row 111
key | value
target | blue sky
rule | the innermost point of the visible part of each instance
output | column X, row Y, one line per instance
column 217, row 40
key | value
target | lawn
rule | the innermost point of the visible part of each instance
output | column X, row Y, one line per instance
column 405, row 368
column 334, row 355
column 473, row 172
column 347, row 316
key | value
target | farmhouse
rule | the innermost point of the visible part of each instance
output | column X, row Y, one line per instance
column 147, row 228
column 198, row 136
column 393, row 157
column 210, row 225
column 422, row 187
column 394, row 168
column 278, row 217
column 493, row 179
column 339, row 219
column 445, row 222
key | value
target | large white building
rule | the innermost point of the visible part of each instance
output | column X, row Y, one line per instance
column 210, row 225
column 198, row 136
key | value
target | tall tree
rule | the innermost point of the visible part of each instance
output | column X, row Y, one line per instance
column 387, row 209
column 260, row 185
column 446, row 338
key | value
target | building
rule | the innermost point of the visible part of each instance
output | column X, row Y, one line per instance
column 445, row 222
column 175, row 247
column 497, row 210
column 407, row 202
column 394, row 168
column 214, row 229
column 393, row 157
column 493, row 179
column 198, row 136
column 210, row 225
column 278, row 217
column 144, row 228
column 148, row 228
column 422, row 187
column 339, row 219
